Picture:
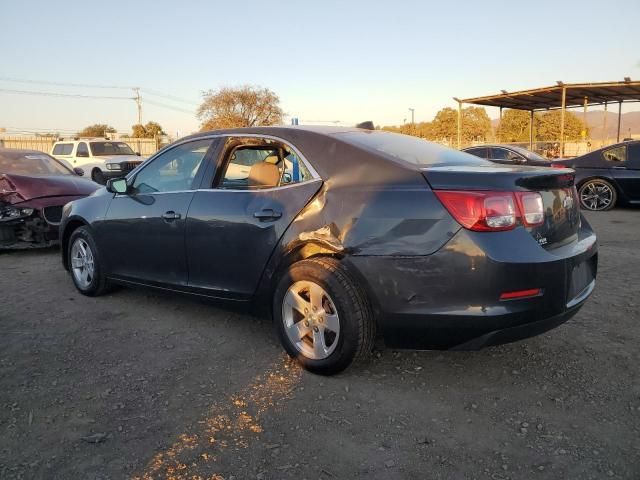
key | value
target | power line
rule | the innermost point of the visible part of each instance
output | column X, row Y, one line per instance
column 61, row 84
column 56, row 94
column 156, row 93
column 170, row 107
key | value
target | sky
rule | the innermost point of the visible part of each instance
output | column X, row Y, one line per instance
column 346, row 61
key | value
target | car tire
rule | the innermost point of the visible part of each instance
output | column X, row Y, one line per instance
column 597, row 195
column 98, row 177
column 84, row 264
column 326, row 299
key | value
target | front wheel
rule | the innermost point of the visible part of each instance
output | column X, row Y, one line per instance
column 597, row 195
column 322, row 317
column 84, row 264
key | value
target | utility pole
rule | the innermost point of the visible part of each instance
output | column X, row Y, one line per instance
column 138, row 100
column 412, row 110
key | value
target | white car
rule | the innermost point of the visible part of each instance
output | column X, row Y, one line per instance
column 100, row 159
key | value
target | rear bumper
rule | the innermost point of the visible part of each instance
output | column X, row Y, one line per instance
column 451, row 299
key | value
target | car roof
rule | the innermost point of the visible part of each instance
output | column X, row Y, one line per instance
column 20, row 151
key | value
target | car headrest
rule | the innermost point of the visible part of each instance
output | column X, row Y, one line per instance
column 264, row 174
column 272, row 159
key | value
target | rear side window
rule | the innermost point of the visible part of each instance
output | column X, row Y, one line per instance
column 252, row 167
column 616, row 154
column 478, row 152
column 63, row 149
column 409, row 149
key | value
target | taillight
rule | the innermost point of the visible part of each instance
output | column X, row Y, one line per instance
column 531, row 207
column 558, row 165
column 482, row 211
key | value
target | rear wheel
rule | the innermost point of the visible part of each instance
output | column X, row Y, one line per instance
column 84, row 264
column 322, row 317
column 597, row 195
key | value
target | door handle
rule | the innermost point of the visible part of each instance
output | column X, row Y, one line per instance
column 619, row 168
column 267, row 214
column 171, row 215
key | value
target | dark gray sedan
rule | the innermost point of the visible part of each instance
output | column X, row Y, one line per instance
column 509, row 155
column 338, row 233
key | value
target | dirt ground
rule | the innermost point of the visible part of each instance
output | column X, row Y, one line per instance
column 139, row 384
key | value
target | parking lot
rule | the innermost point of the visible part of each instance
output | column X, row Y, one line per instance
column 140, row 384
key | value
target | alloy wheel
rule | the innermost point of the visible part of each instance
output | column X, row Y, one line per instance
column 311, row 320
column 82, row 263
column 596, row 196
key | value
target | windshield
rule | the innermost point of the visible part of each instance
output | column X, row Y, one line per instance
column 31, row 164
column 110, row 148
column 410, row 149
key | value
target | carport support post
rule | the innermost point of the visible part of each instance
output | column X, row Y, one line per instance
column 605, row 135
column 531, row 131
column 564, row 106
column 460, row 124
column 619, row 119
column 500, row 125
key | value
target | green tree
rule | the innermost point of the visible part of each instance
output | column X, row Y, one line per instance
column 514, row 126
column 246, row 106
column 547, row 126
column 476, row 125
column 96, row 130
column 150, row 130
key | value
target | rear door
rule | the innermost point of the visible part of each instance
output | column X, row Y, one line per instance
column 624, row 165
column 237, row 219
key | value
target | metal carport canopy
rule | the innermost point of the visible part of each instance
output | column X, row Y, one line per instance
column 560, row 96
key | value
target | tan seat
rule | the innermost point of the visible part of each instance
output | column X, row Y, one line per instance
column 264, row 174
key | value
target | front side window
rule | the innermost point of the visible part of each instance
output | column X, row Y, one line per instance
column 616, row 154
column 83, row 151
column 63, row 149
column 499, row 154
column 173, row 170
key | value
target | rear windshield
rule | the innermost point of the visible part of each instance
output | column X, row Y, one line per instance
column 110, row 148
column 31, row 164
column 409, row 149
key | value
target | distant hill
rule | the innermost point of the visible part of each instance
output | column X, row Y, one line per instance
column 630, row 124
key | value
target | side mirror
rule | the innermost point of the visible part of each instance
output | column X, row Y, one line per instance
column 117, row 185
column 82, row 154
column 137, row 154
column 78, row 171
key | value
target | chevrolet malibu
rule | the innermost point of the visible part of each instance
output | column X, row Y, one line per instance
column 340, row 233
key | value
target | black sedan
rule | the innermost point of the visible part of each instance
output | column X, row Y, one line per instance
column 608, row 176
column 340, row 233
column 509, row 154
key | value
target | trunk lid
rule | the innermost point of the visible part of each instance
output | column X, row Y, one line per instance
column 555, row 186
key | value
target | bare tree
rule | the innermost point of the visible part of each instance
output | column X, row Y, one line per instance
column 246, row 106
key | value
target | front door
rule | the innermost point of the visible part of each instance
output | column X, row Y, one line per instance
column 143, row 232
column 234, row 225
column 624, row 163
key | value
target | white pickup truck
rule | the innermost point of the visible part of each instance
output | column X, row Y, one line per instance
column 100, row 159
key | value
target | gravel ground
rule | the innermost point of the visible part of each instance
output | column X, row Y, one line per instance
column 144, row 385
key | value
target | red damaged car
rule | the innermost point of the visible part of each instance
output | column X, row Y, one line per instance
column 33, row 189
